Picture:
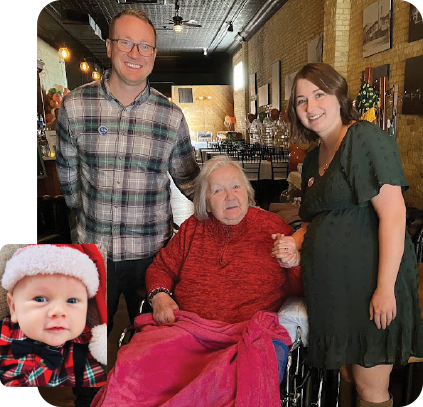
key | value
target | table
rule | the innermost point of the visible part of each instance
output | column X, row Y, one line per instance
column 265, row 171
column 198, row 145
column 294, row 180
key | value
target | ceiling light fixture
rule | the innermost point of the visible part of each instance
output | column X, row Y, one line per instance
column 64, row 53
column 96, row 75
column 177, row 26
column 205, row 51
column 84, row 66
column 230, row 27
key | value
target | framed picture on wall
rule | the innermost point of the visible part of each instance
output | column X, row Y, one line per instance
column 315, row 49
column 289, row 81
column 378, row 72
column 253, row 85
column 276, row 85
column 263, row 95
column 412, row 101
column 253, row 106
column 415, row 31
column 377, row 28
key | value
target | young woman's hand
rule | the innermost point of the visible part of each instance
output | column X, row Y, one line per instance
column 285, row 251
column 383, row 307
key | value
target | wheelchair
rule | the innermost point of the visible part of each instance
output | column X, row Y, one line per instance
column 301, row 385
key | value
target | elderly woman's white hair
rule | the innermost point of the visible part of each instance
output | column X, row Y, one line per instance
column 202, row 184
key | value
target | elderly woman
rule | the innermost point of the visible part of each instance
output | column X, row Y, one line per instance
column 210, row 339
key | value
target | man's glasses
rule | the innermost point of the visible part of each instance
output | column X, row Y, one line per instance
column 144, row 50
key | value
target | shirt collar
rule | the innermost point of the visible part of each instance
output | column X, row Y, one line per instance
column 142, row 97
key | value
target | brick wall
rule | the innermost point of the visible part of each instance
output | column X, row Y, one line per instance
column 285, row 36
column 409, row 127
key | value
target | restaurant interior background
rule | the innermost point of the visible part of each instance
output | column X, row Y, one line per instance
column 264, row 42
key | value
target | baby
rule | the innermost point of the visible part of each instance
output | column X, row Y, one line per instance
column 46, row 341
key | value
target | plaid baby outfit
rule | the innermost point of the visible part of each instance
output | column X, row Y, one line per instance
column 113, row 163
column 33, row 370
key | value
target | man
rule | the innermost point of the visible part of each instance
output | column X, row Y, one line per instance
column 118, row 139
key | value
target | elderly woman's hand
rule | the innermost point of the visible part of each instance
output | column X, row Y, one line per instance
column 285, row 251
column 163, row 307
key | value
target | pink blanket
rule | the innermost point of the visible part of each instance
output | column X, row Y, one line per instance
column 197, row 362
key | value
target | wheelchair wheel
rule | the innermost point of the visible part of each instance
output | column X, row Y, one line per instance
column 323, row 388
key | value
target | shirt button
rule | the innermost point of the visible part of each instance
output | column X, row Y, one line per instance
column 118, row 182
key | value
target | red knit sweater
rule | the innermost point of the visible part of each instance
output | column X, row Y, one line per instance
column 225, row 272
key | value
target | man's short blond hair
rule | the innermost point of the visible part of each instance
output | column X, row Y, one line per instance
column 135, row 12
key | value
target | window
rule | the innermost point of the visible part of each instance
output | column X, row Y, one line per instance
column 238, row 76
column 185, row 95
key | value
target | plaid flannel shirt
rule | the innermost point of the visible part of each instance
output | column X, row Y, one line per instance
column 113, row 163
column 31, row 371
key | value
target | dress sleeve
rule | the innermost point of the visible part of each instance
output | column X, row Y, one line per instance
column 370, row 159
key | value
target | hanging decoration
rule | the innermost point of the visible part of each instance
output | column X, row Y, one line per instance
column 367, row 102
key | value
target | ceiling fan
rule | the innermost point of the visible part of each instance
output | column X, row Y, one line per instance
column 178, row 22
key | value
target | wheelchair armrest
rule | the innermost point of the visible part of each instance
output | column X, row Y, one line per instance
column 292, row 316
column 129, row 329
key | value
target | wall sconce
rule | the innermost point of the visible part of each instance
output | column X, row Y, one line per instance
column 96, row 75
column 64, row 53
column 204, row 97
column 205, row 51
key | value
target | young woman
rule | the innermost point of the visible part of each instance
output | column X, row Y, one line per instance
column 358, row 262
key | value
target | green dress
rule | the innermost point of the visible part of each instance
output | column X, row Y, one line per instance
column 339, row 256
